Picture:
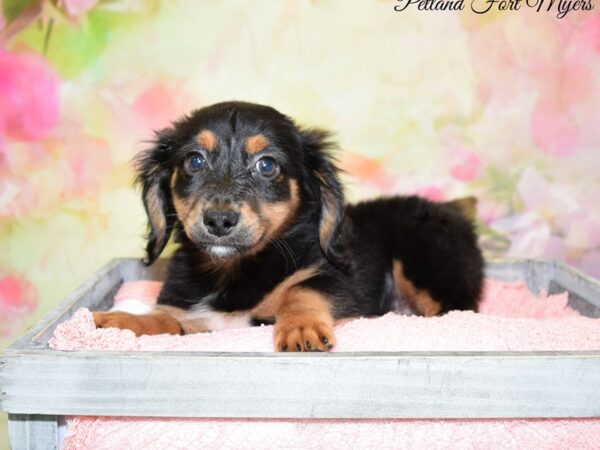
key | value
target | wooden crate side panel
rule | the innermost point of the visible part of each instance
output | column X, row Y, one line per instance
column 384, row 385
column 584, row 291
column 536, row 274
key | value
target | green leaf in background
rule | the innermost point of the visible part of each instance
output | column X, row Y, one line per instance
column 74, row 46
column 12, row 8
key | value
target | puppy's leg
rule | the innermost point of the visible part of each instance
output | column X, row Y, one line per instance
column 303, row 321
column 420, row 300
column 159, row 321
column 431, row 247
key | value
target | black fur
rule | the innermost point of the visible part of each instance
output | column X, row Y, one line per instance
column 434, row 242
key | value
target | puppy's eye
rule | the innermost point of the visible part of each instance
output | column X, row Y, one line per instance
column 267, row 167
column 194, row 163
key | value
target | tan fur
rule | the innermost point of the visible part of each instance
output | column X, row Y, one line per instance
column 269, row 305
column 328, row 220
column 250, row 219
column 303, row 322
column 166, row 319
column 187, row 212
column 420, row 300
column 302, row 315
column 157, row 322
column 328, row 214
column 207, row 140
column 155, row 212
column 278, row 215
column 255, row 144
column 272, row 218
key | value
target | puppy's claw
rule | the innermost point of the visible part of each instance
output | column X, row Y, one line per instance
column 303, row 336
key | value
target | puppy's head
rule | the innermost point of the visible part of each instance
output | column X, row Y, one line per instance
column 236, row 177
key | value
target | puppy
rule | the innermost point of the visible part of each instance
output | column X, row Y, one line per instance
column 264, row 235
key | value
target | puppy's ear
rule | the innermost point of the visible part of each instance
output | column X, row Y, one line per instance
column 153, row 175
column 327, row 189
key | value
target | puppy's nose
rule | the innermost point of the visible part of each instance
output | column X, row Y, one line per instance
column 220, row 222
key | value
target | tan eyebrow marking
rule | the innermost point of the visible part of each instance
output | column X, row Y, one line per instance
column 255, row 144
column 207, row 139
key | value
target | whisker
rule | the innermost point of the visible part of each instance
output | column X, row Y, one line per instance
column 279, row 249
column 287, row 246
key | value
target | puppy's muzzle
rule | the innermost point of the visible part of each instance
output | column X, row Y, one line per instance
column 220, row 222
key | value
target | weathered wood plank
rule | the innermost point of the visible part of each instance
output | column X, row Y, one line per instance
column 356, row 385
column 551, row 277
column 32, row 432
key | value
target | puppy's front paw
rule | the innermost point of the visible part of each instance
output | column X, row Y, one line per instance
column 303, row 333
column 150, row 324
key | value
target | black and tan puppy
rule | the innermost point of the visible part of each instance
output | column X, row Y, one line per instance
column 265, row 236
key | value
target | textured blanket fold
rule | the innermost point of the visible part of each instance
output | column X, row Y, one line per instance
column 510, row 319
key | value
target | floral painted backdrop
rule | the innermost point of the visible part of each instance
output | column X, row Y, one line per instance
column 504, row 106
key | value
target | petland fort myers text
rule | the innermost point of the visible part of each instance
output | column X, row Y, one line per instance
column 560, row 7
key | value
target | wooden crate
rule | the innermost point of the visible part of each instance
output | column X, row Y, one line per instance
column 40, row 386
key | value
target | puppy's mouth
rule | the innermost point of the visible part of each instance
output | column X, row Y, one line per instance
column 225, row 250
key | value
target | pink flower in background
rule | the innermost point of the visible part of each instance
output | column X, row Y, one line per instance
column 489, row 210
column 591, row 32
column 36, row 177
column 157, row 106
column 367, row 170
column 530, row 231
column 86, row 164
column 553, row 129
column 549, row 199
column 433, row 193
column 529, row 234
column 29, row 90
column 77, row 8
column 568, row 99
column 467, row 165
column 558, row 221
column 18, row 299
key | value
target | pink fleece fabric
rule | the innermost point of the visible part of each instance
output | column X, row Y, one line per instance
column 510, row 318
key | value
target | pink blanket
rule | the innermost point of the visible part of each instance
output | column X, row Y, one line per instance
column 510, row 319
